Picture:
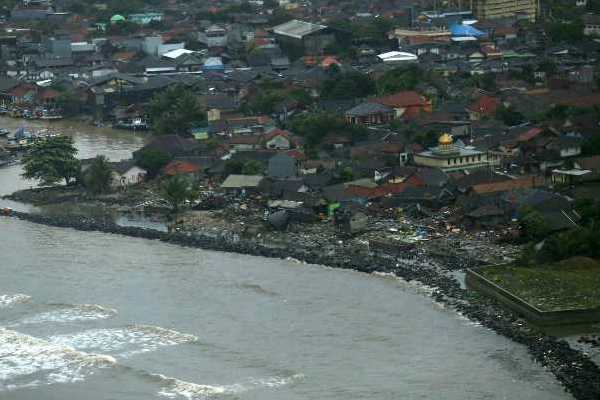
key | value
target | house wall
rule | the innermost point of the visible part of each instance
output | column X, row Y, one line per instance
column 153, row 45
column 278, row 142
column 454, row 162
column 214, row 38
column 490, row 9
column 133, row 176
column 242, row 147
column 371, row 119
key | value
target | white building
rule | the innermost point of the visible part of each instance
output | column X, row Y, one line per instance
column 154, row 46
column 126, row 173
column 214, row 36
column 450, row 157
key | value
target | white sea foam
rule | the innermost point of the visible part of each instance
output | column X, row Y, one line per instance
column 175, row 388
column 124, row 341
column 70, row 313
column 7, row 300
column 26, row 361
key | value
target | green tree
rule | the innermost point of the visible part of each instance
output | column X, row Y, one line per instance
column 399, row 79
column 176, row 111
column 347, row 174
column 252, row 167
column 426, row 139
column 234, row 167
column 301, row 96
column 485, row 82
column 263, row 103
column 533, row 225
column 346, row 86
column 509, row 116
column 99, row 175
column 177, row 190
column 52, row 160
column 68, row 103
column 314, row 127
column 152, row 160
column 569, row 32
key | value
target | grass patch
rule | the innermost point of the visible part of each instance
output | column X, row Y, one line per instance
column 572, row 284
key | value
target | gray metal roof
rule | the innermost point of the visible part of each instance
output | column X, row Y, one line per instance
column 368, row 109
column 241, row 181
column 297, row 29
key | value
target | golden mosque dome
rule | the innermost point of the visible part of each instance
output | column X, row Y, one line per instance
column 445, row 140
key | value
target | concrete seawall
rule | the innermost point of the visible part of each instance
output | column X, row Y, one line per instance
column 539, row 317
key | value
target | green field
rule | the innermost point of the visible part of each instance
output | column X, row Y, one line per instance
column 572, row 284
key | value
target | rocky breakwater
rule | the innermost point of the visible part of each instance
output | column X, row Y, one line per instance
column 578, row 374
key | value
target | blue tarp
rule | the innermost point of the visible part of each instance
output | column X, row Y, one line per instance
column 465, row 30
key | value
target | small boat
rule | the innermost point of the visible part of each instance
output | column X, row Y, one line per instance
column 49, row 115
column 54, row 117
column 4, row 132
column 136, row 124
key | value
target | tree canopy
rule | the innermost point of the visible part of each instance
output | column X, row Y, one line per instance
column 566, row 31
column 509, row 116
column 52, row 160
column 177, row 190
column 314, row 127
column 399, row 79
column 98, row 177
column 176, row 111
column 152, row 160
column 347, row 85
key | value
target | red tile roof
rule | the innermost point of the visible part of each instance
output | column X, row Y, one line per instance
column 277, row 132
column 250, row 139
column 530, row 134
column 329, row 61
column 20, row 91
column 262, row 41
column 377, row 192
column 485, row 105
column 412, row 40
column 503, row 31
column 123, row 56
column 402, row 99
column 506, row 186
column 180, row 167
column 298, row 155
column 392, row 148
column 48, row 94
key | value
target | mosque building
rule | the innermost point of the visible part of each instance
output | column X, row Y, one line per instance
column 450, row 156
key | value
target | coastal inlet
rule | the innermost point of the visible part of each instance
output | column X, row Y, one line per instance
column 167, row 321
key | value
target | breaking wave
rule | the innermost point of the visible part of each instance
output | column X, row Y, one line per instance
column 70, row 313
column 174, row 388
column 126, row 341
column 26, row 361
column 7, row 300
